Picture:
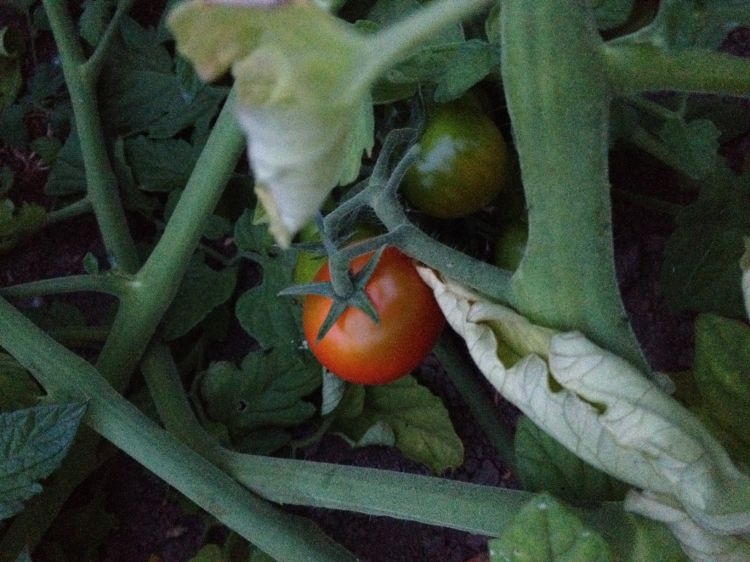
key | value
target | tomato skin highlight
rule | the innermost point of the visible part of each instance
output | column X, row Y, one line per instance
column 359, row 350
column 463, row 165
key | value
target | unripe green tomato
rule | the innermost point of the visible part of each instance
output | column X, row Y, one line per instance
column 462, row 166
column 510, row 246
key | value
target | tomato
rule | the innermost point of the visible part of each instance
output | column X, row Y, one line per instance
column 361, row 351
column 511, row 245
column 463, row 164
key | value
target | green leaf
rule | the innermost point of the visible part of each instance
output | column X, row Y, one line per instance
column 722, row 372
column 209, row 553
column 13, row 130
column 691, row 148
column 47, row 148
column 17, row 387
column 68, row 176
column 33, row 443
column 140, row 91
column 57, row 315
column 272, row 320
column 653, row 542
column 547, row 531
column 94, row 19
column 334, row 389
column 545, row 465
column 696, row 23
column 611, row 13
column 267, row 390
column 418, row 418
column 160, row 165
column 700, row 271
column 471, row 63
column 15, row 223
column 201, row 291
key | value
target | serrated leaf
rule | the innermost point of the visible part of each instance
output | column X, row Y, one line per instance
column 421, row 423
column 267, row 390
column 722, row 371
column 94, row 19
column 140, row 91
column 68, row 176
column 700, row 271
column 17, row 387
column 33, row 443
column 274, row 321
column 471, row 63
column 47, row 148
column 545, row 465
column 547, row 531
column 202, row 290
column 696, row 23
column 160, row 165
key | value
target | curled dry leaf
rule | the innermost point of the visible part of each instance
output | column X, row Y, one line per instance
column 698, row 543
column 602, row 409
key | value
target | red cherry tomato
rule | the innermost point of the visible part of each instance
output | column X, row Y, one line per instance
column 361, row 351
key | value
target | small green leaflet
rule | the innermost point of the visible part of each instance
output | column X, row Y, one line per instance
column 33, row 443
column 160, row 165
column 140, row 92
column 680, row 24
column 94, row 19
column 417, row 418
column 547, row 531
column 545, row 465
column 17, row 388
column 267, row 390
column 216, row 553
column 17, row 223
column 701, row 269
column 722, row 372
column 68, row 175
column 272, row 320
column 201, row 291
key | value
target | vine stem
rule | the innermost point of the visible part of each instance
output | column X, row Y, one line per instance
column 101, row 182
column 398, row 40
column 73, row 210
column 647, row 67
column 92, row 68
column 109, row 284
column 69, row 377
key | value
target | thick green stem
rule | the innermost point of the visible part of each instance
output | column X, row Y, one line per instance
column 67, row 376
column 558, row 95
column 101, row 182
column 156, row 284
column 110, row 284
column 646, row 67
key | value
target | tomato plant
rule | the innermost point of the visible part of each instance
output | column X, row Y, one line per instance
column 361, row 351
column 463, row 164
